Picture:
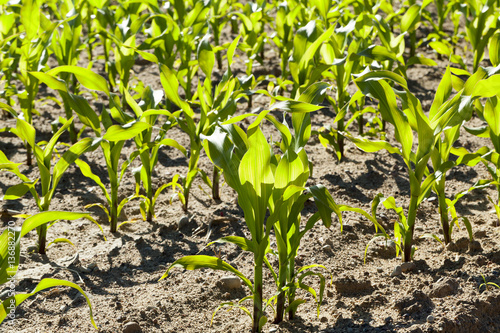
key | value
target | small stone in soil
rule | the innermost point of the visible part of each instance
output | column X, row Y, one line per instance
column 230, row 282
column 327, row 248
column 183, row 222
column 323, row 319
column 407, row 267
column 64, row 308
column 131, row 327
column 273, row 329
column 380, row 269
column 430, row 319
column 397, row 271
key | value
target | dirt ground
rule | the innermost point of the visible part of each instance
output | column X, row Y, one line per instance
column 443, row 293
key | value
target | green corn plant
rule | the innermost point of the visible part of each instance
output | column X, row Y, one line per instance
column 409, row 118
column 10, row 246
column 481, row 22
column 9, row 57
column 285, row 21
column 440, row 159
column 66, row 46
column 192, row 24
column 124, row 40
column 49, row 177
column 218, row 19
column 305, row 65
column 37, row 32
column 291, row 172
column 148, row 144
column 253, row 18
column 265, row 180
column 252, row 178
column 490, row 157
column 111, row 142
column 215, row 104
column 341, row 52
column 118, row 27
column 410, row 21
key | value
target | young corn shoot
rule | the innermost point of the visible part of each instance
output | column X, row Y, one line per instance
column 409, row 118
column 10, row 247
column 111, row 142
column 49, row 177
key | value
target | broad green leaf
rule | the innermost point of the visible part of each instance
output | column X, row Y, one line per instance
column 50, row 80
column 42, row 285
column 206, row 56
column 86, row 77
column 26, row 131
column 125, row 132
column 17, row 191
column 494, row 49
column 243, row 243
column 30, row 18
column 202, row 261
column 410, row 18
column 44, row 217
column 71, row 156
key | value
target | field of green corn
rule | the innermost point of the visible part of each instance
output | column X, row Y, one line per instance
column 267, row 166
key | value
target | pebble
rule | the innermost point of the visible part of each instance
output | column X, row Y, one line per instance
column 230, row 282
column 131, row 327
column 327, row 248
column 397, row 271
column 273, row 329
column 407, row 267
column 64, row 308
column 183, row 222
column 430, row 319
column 323, row 319
column 380, row 269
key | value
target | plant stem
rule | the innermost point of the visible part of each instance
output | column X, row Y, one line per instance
column 413, row 43
column 257, row 297
column 361, row 124
column 291, row 293
column 282, row 275
column 443, row 211
column 215, row 184
column 408, row 238
column 340, row 138
column 114, row 210
column 42, row 239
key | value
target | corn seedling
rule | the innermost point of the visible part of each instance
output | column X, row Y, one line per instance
column 49, row 177
column 10, row 245
column 409, row 118
column 148, row 144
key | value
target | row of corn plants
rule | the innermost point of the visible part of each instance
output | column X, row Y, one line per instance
column 324, row 49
